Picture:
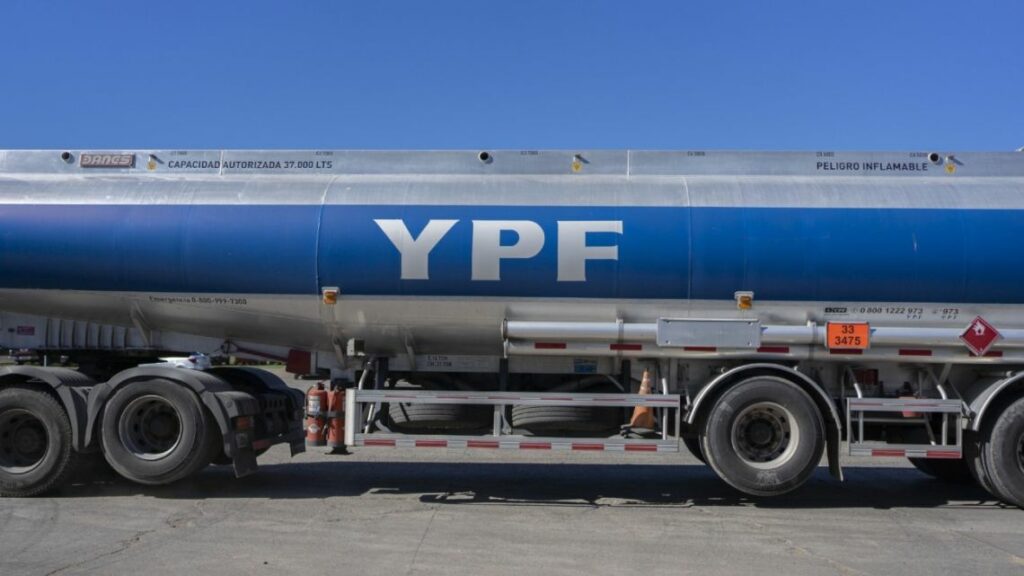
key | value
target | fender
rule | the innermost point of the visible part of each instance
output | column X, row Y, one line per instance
column 257, row 382
column 983, row 395
column 242, row 376
column 219, row 397
column 833, row 425
column 71, row 387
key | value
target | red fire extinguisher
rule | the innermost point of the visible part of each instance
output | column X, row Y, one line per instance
column 316, row 421
column 336, row 420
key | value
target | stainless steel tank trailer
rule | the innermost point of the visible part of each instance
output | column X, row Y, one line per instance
column 783, row 306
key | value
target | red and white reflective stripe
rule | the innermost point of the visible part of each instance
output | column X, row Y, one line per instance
column 431, row 443
column 521, row 444
column 379, row 442
column 535, row 445
column 773, row 350
column 633, row 347
column 539, row 398
column 895, row 406
column 550, row 345
column 886, row 452
column 641, row 448
column 949, row 453
column 943, row 454
column 483, row 444
column 914, row 352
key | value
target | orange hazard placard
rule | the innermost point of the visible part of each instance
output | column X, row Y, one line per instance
column 848, row 335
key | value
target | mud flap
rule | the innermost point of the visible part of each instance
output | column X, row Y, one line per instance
column 244, row 462
column 832, row 445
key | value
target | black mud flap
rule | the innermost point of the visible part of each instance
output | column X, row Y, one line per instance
column 244, row 462
column 298, row 447
column 832, row 447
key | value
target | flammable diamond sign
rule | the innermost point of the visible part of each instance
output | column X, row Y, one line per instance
column 979, row 336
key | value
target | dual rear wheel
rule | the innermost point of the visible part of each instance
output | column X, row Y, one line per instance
column 151, row 432
column 36, row 452
column 157, row 432
column 764, row 436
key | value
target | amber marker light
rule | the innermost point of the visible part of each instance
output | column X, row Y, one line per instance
column 330, row 296
column 744, row 300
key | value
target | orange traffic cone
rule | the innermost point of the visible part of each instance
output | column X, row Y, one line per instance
column 643, row 416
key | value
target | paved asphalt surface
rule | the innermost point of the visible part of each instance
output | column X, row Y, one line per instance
column 433, row 511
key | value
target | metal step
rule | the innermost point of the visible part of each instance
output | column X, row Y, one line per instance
column 904, row 405
column 355, row 420
column 879, row 450
column 513, row 398
column 938, row 447
column 513, row 442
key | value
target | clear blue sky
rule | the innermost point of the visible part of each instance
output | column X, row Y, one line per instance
column 512, row 74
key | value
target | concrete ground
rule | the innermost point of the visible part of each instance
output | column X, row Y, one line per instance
column 439, row 512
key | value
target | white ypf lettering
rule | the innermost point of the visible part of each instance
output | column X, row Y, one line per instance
column 415, row 252
column 488, row 251
column 573, row 251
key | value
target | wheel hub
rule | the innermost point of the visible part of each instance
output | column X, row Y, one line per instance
column 764, row 434
column 760, row 433
column 28, row 440
column 149, row 427
column 23, row 441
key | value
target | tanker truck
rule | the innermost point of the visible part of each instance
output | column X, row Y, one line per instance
column 769, row 311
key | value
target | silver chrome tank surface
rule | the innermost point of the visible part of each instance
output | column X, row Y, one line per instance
column 435, row 249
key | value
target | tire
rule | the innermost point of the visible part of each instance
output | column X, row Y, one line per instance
column 693, row 445
column 975, row 464
column 436, row 417
column 764, row 436
column 1002, row 454
column 35, row 443
column 541, row 420
column 156, row 432
column 952, row 471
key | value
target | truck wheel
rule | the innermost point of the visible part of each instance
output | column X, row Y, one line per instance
column 975, row 464
column 764, row 436
column 954, row 471
column 1003, row 455
column 156, row 432
column 35, row 443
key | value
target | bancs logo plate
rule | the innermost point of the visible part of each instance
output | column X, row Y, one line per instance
column 107, row 161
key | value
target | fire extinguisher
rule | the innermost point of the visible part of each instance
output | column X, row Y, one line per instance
column 316, row 421
column 336, row 418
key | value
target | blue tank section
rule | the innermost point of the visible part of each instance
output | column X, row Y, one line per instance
column 815, row 254
column 170, row 248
